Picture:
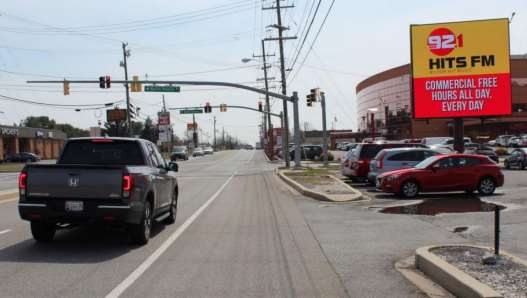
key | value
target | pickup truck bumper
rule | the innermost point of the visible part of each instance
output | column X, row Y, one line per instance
column 53, row 210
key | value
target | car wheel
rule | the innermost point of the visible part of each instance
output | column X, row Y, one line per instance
column 486, row 186
column 507, row 165
column 173, row 210
column 409, row 189
column 43, row 231
column 141, row 232
column 522, row 166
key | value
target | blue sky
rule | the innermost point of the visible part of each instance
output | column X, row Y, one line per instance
column 359, row 39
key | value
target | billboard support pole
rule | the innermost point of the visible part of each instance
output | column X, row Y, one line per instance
column 459, row 143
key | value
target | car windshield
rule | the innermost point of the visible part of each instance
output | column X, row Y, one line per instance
column 179, row 149
column 427, row 162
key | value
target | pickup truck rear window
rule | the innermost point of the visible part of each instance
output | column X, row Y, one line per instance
column 116, row 152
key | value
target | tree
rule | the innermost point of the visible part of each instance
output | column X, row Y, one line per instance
column 71, row 131
column 39, row 122
column 149, row 131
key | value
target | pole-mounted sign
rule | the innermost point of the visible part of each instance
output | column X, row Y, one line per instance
column 461, row 69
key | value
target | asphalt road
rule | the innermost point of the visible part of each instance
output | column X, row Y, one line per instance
column 238, row 234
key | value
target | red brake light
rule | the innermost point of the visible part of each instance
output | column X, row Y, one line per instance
column 102, row 141
column 22, row 180
column 127, row 183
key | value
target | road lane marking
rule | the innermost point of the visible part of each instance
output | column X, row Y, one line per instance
column 128, row 281
column 5, row 231
column 8, row 191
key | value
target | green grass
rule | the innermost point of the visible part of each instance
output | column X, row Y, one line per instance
column 311, row 172
column 11, row 167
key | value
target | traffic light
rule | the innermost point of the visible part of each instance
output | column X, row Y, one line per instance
column 223, row 107
column 108, row 81
column 66, row 87
column 309, row 100
column 208, row 108
column 136, row 86
column 102, row 84
column 260, row 106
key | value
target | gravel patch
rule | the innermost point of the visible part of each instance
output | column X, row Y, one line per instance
column 506, row 277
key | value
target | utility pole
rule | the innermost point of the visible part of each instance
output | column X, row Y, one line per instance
column 281, row 39
column 194, row 133
column 267, row 121
column 124, row 64
column 223, row 137
column 214, row 134
column 324, row 131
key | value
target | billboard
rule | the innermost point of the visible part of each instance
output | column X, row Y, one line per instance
column 115, row 115
column 461, row 69
column 163, row 118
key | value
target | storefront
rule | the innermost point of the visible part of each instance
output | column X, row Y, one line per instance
column 44, row 142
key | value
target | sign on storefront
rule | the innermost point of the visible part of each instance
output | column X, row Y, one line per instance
column 461, row 69
column 9, row 131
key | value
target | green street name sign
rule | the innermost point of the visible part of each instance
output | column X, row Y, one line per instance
column 191, row 111
column 162, row 88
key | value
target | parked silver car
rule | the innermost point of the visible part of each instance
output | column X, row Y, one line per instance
column 397, row 158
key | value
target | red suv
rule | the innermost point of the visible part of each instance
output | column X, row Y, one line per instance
column 452, row 172
column 356, row 163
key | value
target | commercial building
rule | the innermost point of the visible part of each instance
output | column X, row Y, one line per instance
column 44, row 142
column 386, row 95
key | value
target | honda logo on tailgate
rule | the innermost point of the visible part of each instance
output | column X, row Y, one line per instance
column 73, row 181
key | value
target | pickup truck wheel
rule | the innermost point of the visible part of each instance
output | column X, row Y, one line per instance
column 173, row 211
column 43, row 231
column 141, row 232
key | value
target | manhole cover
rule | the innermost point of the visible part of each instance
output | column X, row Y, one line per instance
column 437, row 206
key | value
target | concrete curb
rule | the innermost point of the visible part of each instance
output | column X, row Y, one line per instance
column 453, row 279
column 356, row 196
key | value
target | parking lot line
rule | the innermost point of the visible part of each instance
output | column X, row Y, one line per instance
column 5, row 231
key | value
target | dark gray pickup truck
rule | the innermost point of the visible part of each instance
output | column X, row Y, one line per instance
column 100, row 180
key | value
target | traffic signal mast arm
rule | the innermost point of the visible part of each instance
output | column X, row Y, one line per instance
column 195, row 83
column 229, row 106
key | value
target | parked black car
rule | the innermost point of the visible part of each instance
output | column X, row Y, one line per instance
column 312, row 152
column 518, row 158
column 22, row 157
column 474, row 148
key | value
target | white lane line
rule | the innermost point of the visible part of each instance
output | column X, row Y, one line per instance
column 117, row 291
column 4, row 232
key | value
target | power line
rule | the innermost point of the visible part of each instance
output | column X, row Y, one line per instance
column 204, row 71
column 314, row 40
column 65, row 106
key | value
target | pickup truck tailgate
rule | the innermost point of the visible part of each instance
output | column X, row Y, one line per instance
column 74, row 182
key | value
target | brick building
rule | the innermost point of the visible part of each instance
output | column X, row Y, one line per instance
column 44, row 142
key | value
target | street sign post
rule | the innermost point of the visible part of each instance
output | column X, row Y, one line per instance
column 153, row 88
column 191, row 111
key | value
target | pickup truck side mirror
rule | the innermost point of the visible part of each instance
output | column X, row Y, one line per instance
column 172, row 166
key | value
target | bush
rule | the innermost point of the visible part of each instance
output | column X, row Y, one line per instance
column 501, row 151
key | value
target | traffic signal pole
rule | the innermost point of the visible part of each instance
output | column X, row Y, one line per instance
column 324, row 130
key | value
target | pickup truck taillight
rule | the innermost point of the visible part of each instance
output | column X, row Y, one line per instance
column 128, row 185
column 22, row 182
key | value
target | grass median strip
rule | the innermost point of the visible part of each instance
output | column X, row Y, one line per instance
column 11, row 167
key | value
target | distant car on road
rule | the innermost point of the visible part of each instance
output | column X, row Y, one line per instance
column 179, row 152
column 22, row 157
column 104, row 180
column 198, row 151
column 517, row 159
column 503, row 140
column 443, row 173
column 208, row 150
column 396, row 159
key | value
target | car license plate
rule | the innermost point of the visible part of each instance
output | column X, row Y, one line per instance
column 74, row 206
